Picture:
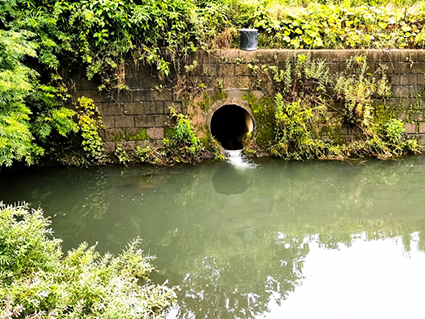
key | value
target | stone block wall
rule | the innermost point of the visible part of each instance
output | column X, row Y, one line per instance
column 139, row 115
column 133, row 117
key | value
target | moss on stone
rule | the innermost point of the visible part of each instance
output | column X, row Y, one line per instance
column 169, row 132
column 219, row 96
column 206, row 102
column 263, row 111
column 141, row 135
column 119, row 137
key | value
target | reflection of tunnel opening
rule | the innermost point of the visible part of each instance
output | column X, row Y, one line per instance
column 229, row 124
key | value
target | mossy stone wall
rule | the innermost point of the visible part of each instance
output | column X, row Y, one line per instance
column 138, row 116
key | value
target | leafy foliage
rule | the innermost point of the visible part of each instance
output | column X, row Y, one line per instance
column 90, row 122
column 101, row 33
column 339, row 25
column 356, row 90
column 310, row 112
column 31, row 116
column 29, row 111
column 297, row 130
column 36, row 281
column 16, row 139
column 391, row 130
column 38, row 38
column 182, row 145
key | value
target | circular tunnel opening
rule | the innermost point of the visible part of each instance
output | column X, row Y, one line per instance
column 229, row 124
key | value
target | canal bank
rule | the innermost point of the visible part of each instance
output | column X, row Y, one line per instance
column 219, row 81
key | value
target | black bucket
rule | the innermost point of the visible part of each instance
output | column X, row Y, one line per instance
column 249, row 39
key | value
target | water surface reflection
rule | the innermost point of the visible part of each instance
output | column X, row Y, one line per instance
column 279, row 238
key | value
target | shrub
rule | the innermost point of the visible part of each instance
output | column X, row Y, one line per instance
column 297, row 130
column 37, row 281
column 31, row 117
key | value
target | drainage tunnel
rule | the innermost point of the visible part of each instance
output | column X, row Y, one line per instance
column 229, row 124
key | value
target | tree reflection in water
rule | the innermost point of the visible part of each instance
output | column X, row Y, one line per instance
column 244, row 285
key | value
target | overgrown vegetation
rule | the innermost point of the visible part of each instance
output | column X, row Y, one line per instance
column 90, row 121
column 181, row 145
column 31, row 117
column 37, row 281
column 310, row 112
column 341, row 24
column 39, row 38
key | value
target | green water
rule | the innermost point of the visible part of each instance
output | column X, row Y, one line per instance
column 278, row 240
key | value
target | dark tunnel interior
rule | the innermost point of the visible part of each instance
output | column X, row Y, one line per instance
column 229, row 124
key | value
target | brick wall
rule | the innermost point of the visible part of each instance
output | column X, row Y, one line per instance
column 142, row 111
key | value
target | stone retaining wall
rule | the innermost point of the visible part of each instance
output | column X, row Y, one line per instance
column 140, row 115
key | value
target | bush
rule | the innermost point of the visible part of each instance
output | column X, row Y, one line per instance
column 37, row 281
column 31, row 117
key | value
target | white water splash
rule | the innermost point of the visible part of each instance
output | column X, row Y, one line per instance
column 236, row 158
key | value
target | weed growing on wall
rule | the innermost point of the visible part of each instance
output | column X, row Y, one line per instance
column 300, row 110
column 121, row 155
column 310, row 112
column 180, row 145
column 86, row 148
column 359, row 95
column 356, row 90
column 297, row 130
column 90, row 123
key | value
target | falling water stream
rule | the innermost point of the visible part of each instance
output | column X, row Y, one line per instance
column 275, row 239
column 237, row 159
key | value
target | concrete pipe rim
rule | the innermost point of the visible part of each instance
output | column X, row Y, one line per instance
column 229, row 123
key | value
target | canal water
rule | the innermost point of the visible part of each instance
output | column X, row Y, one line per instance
column 266, row 239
